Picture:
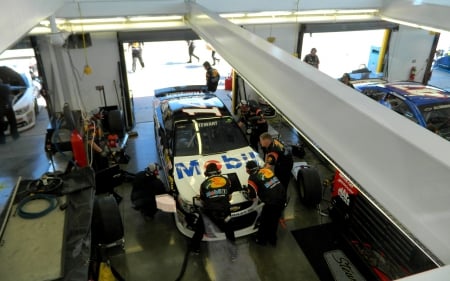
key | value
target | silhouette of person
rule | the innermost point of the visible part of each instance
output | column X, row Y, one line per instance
column 7, row 110
column 212, row 77
column 191, row 48
column 136, row 53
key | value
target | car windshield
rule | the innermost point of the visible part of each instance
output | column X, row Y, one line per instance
column 208, row 136
column 437, row 117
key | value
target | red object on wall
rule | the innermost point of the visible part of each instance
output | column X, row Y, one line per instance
column 412, row 74
column 228, row 83
column 79, row 153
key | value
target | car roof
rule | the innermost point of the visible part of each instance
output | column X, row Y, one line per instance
column 417, row 93
column 190, row 102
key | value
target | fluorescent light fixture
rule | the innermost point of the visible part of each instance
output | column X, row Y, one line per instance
column 269, row 14
column 235, row 15
column 98, row 20
column 361, row 11
column 415, row 25
column 47, row 22
column 315, row 12
column 123, row 26
column 155, row 18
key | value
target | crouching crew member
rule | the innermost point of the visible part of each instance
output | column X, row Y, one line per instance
column 253, row 118
column 263, row 183
column 277, row 157
column 215, row 196
column 146, row 185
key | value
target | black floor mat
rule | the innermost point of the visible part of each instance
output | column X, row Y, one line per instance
column 315, row 241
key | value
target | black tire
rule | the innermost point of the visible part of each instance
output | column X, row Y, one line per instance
column 309, row 186
column 107, row 227
column 115, row 123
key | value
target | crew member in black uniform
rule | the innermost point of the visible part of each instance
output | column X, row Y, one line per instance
column 146, row 185
column 7, row 110
column 252, row 117
column 215, row 197
column 277, row 157
column 263, row 183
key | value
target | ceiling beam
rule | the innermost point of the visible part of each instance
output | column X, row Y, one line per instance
column 395, row 162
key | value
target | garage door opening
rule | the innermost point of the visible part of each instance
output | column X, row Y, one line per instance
column 165, row 65
column 341, row 52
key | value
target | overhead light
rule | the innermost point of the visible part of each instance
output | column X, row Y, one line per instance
column 269, row 14
column 95, row 21
column 415, row 25
column 235, row 15
column 155, row 18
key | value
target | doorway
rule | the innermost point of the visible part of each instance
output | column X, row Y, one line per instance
column 166, row 65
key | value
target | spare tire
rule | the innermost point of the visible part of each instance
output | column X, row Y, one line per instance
column 309, row 186
column 116, row 123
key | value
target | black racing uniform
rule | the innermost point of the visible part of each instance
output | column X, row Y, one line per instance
column 266, row 185
column 214, row 193
column 278, row 156
column 7, row 110
column 258, row 124
column 145, row 187
column 212, row 79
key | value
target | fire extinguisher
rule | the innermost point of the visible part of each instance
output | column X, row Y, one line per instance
column 79, row 153
column 412, row 74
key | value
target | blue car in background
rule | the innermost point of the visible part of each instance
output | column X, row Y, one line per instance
column 425, row 105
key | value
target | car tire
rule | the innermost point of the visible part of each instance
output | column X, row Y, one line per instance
column 107, row 226
column 309, row 186
column 116, row 124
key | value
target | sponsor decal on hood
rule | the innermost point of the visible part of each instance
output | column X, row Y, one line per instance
column 189, row 170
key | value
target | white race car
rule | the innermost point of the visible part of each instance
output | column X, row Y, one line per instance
column 193, row 129
column 24, row 97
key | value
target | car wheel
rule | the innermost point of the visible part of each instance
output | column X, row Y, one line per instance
column 309, row 186
column 116, row 124
column 107, row 226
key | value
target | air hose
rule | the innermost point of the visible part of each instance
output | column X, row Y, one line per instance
column 52, row 203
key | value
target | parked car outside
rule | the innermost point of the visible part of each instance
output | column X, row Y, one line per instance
column 192, row 129
column 425, row 105
column 25, row 93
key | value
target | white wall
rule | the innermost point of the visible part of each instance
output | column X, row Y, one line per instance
column 66, row 80
column 408, row 47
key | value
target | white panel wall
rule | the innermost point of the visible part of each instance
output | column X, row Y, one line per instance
column 66, row 80
column 409, row 47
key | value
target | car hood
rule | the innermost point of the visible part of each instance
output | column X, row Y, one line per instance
column 11, row 77
column 189, row 170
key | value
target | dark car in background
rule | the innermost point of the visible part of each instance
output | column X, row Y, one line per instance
column 425, row 105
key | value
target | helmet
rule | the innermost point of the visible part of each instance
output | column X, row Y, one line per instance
column 251, row 166
column 152, row 169
column 212, row 169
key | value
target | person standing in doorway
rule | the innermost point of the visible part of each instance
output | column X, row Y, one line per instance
column 312, row 58
column 7, row 110
column 212, row 77
column 263, row 183
column 136, row 53
column 191, row 48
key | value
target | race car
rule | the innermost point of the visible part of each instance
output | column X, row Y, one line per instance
column 194, row 128
column 425, row 105
column 24, row 97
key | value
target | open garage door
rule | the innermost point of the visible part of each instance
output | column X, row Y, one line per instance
column 344, row 47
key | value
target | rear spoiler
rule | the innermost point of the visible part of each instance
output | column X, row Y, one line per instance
column 180, row 89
